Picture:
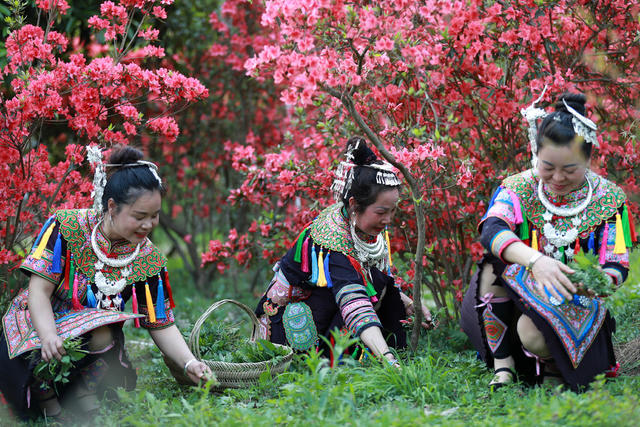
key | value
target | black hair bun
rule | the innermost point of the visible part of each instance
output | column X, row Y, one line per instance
column 124, row 155
column 362, row 154
column 576, row 101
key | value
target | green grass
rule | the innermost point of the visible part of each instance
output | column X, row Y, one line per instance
column 442, row 383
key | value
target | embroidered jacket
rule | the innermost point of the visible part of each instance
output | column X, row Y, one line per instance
column 516, row 213
column 67, row 235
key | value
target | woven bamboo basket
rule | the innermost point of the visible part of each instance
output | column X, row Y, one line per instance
column 228, row 374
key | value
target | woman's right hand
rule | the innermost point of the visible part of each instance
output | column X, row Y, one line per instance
column 52, row 346
column 550, row 274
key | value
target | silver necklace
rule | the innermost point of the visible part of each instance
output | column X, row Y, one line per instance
column 108, row 288
column 370, row 253
column 556, row 238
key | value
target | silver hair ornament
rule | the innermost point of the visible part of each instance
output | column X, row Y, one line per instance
column 94, row 156
column 583, row 126
column 532, row 114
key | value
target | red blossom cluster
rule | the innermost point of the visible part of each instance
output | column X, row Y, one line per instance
column 441, row 83
column 61, row 101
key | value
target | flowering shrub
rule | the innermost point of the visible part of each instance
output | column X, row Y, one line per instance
column 90, row 100
column 439, row 84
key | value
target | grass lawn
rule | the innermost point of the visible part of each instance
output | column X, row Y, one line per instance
column 441, row 384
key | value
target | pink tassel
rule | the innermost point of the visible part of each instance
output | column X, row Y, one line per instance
column 604, row 243
column 305, row 256
column 74, row 299
column 516, row 206
column 134, row 305
column 374, row 299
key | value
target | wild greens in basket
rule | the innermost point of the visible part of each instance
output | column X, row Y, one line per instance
column 588, row 273
column 224, row 343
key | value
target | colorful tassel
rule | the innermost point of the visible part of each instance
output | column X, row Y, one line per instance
column 121, row 302
column 326, row 271
column 591, row 245
column 56, row 266
column 620, row 247
column 493, row 200
column 322, row 280
column 386, row 237
column 632, row 228
column 603, row 244
column 91, row 298
column 65, row 278
column 43, row 242
column 626, row 229
column 70, row 277
column 74, row 299
column 44, row 228
column 168, row 286
column 534, row 240
column 305, row 256
column 314, row 265
column 561, row 250
column 150, row 309
column 524, row 227
column 134, row 305
column 160, row 313
column 369, row 289
column 577, row 246
column 298, row 255
column 371, row 292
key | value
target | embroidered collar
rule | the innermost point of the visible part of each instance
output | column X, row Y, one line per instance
column 607, row 198
column 76, row 226
column 330, row 229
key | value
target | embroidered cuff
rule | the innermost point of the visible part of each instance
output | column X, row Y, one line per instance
column 501, row 240
column 41, row 267
column 615, row 274
column 159, row 323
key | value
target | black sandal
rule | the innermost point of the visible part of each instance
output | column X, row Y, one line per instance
column 494, row 386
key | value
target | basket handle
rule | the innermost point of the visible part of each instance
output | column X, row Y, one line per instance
column 194, row 337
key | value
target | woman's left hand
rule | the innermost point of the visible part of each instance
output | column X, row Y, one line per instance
column 198, row 372
column 410, row 309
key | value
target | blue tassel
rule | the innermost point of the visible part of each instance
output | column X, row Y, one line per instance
column 121, row 302
column 314, row 265
column 591, row 245
column 326, row 270
column 57, row 255
column 91, row 298
column 44, row 228
column 160, row 314
column 493, row 200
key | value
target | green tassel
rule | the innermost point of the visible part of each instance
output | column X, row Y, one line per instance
column 561, row 250
column 626, row 229
column 524, row 227
column 370, row 290
column 72, row 274
column 298, row 256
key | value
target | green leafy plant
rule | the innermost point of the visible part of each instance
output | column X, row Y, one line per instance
column 223, row 343
column 56, row 371
column 588, row 272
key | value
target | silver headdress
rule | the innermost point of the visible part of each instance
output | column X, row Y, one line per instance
column 344, row 174
column 532, row 114
column 581, row 125
column 94, row 156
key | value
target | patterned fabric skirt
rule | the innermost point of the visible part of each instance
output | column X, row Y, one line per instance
column 101, row 372
column 303, row 332
column 577, row 335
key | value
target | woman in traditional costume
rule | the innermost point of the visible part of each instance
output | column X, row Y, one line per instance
column 84, row 266
column 337, row 274
column 521, row 311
